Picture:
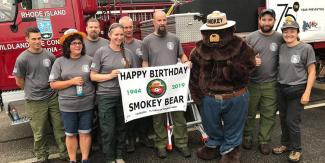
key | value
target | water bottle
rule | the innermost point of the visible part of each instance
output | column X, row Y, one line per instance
column 79, row 90
column 14, row 114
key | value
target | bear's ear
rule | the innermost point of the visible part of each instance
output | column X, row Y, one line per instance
column 214, row 38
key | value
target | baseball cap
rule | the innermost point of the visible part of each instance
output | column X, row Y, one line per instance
column 267, row 11
column 290, row 23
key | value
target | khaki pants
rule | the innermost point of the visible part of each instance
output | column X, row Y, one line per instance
column 42, row 113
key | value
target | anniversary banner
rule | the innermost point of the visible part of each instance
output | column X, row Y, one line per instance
column 153, row 90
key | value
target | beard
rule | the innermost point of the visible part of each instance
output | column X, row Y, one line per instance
column 162, row 31
column 94, row 35
column 266, row 29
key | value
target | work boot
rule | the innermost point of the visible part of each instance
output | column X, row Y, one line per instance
column 130, row 146
column 206, row 153
column 146, row 141
column 161, row 153
column 294, row 156
column 185, row 152
column 231, row 157
column 247, row 143
column 265, row 149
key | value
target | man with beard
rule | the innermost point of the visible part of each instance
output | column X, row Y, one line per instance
column 163, row 48
column 93, row 42
column 138, row 127
column 262, row 86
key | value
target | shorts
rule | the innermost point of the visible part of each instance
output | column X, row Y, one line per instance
column 77, row 122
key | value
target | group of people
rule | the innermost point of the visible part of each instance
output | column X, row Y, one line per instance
column 231, row 78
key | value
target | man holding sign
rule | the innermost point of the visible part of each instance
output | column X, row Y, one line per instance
column 163, row 48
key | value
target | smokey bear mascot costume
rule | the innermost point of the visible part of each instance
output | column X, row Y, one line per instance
column 222, row 63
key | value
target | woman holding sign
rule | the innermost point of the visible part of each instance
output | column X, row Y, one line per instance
column 104, row 70
column 296, row 76
column 70, row 75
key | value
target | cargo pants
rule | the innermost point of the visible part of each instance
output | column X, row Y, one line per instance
column 263, row 97
column 42, row 113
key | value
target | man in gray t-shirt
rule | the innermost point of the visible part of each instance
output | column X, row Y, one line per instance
column 164, row 48
column 139, row 127
column 31, row 71
column 93, row 42
column 262, row 86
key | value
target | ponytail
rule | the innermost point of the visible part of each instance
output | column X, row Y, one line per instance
column 127, row 63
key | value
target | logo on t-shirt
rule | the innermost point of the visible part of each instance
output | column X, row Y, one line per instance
column 295, row 58
column 170, row 45
column 85, row 68
column 138, row 52
column 273, row 47
column 93, row 65
column 46, row 63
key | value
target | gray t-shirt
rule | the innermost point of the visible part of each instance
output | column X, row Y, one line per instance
column 268, row 48
column 66, row 69
column 92, row 46
column 293, row 63
column 135, row 48
column 106, row 60
column 160, row 51
column 35, row 69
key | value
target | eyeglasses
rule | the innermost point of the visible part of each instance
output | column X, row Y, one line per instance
column 76, row 43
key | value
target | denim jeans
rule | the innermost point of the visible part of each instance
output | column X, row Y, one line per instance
column 224, row 120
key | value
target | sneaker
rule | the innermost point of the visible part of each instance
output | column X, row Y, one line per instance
column 294, row 156
column 247, row 143
column 265, row 149
column 279, row 150
column 185, row 152
column 119, row 160
column 162, row 153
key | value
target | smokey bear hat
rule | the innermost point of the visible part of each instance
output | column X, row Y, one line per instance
column 216, row 21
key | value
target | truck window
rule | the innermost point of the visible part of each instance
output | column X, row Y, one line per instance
column 39, row 4
column 7, row 10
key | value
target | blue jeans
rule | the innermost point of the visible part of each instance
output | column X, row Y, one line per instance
column 224, row 120
column 77, row 122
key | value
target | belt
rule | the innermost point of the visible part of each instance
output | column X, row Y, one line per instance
column 227, row 96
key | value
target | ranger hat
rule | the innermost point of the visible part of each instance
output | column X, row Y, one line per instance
column 267, row 11
column 216, row 21
column 71, row 32
column 290, row 23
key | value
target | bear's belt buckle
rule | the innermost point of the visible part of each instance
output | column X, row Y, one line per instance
column 218, row 97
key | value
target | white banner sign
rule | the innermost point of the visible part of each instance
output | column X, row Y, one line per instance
column 153, row 90
column 309, row 14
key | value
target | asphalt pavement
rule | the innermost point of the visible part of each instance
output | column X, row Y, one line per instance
column 16, row 145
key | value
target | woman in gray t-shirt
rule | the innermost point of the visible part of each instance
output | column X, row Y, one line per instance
column 104, row 70
column 70, row 75
column 296, row 76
